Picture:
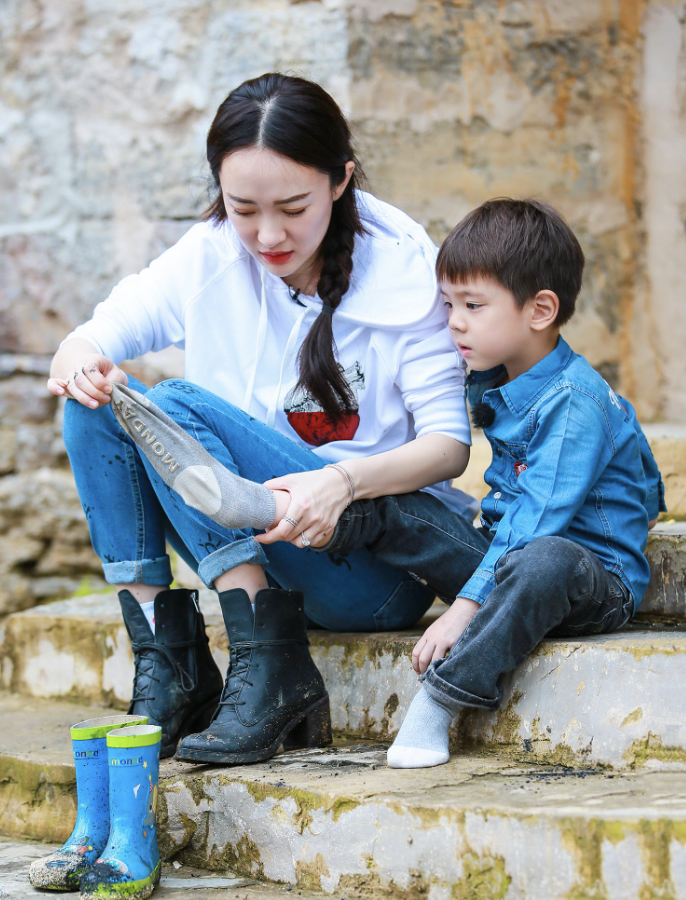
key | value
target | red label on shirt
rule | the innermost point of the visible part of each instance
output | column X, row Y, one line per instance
column 520, row 467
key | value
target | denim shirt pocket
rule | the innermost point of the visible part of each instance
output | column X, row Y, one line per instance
column 514, row 460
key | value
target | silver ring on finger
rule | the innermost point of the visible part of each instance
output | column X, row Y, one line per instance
column 293, row 522
column 306, row 541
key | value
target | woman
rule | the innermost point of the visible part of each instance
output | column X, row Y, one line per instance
column 313, row 334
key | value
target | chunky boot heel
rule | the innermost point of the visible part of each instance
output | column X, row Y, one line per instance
column 199, row 720
column 314, row 730
column 274, row 694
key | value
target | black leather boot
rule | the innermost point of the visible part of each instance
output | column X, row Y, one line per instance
column 177, row 683
column 273, row 694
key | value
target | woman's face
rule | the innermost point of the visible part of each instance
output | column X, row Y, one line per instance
column 280, row 210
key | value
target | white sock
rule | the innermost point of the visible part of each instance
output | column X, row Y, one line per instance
column 423, row 737
column 149, row 611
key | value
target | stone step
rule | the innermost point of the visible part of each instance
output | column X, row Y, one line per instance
column 666, row 553
column 178, row 882
column 667, row 441
column 612, row 700
column 338, row 821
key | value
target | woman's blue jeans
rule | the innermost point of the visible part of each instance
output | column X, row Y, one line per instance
column 131, row 513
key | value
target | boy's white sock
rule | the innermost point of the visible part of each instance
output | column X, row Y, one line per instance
column 149, row 611
column 423, row 737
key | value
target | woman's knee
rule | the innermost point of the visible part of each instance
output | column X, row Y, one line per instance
column 84, row 428
column 176, row 395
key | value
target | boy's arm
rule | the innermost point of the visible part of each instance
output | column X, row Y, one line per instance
column 655, row 495
column 555, row 484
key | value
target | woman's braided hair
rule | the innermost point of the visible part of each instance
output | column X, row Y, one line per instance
column 299, row 120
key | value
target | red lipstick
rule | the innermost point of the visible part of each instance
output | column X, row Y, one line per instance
column 277, row 259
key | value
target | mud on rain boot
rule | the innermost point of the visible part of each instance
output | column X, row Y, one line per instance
column 177, row 684
column 62, row 870
column 274, row 694
column 129, row 866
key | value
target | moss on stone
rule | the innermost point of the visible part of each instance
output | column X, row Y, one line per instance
column 584, row 838
column 243, row 857
column 306, row 802
column 640, row 651
column 309, row 874
column 483, row 878
column 370, row 886
column 634, row 716
column 508, row 723
column 651, row 748
column 656, row 837
column 37, row 801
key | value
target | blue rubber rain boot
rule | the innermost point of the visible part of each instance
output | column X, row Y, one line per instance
column 62, row 870
column 129, row 866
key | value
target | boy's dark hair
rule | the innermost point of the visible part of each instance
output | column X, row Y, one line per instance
column 524, row 245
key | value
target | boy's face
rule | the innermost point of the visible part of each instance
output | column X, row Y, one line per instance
column 486, row 325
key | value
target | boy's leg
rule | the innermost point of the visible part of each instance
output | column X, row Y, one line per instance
column 415, row 532
column 552, row 585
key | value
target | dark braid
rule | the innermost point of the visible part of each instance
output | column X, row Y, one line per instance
column 320, row 373
column 299, row 120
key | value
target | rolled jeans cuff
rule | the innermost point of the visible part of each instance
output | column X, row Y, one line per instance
column 155, row 572
column 226, row 558
column 454, row 698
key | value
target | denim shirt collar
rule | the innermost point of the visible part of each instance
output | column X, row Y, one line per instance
column 523, row 391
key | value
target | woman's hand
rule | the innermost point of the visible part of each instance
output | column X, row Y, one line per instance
column 91, row 382
column 317, row 500
column 439, row 638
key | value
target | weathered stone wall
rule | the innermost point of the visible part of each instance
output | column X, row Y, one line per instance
column 104, row 107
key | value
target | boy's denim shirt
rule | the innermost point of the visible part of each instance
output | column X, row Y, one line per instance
column 569, row 459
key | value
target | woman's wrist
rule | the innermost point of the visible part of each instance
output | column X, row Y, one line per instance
column 339, row 467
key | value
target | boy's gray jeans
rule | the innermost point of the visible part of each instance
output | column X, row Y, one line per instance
column 551, row 587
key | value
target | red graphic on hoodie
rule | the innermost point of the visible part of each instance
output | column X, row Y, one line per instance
column 312, row 424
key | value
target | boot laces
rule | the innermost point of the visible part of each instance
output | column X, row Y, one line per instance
column 240, row 665
column 144, row 653
column 238, row 671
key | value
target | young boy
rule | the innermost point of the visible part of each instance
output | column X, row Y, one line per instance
column 574, row 487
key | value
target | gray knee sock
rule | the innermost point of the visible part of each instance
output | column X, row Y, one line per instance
column 185, row 465
column 423, row 737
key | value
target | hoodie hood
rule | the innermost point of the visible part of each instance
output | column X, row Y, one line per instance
column 382, row 294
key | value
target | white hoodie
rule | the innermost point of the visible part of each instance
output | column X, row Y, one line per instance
column 241, row 332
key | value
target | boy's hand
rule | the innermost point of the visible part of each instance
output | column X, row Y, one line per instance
column 439, row 638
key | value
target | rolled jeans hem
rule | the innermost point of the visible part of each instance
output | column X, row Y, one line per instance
column 452, row 697
column 227, row 558
column 154, row 572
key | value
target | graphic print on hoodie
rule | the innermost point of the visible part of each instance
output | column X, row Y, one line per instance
column 309, row 421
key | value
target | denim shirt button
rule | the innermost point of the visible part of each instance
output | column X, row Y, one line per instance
column 497, row 495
